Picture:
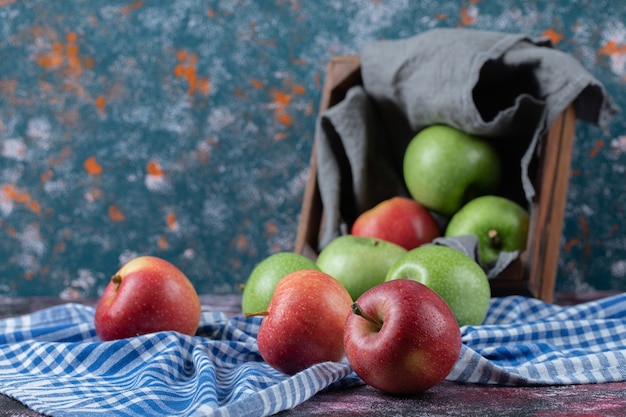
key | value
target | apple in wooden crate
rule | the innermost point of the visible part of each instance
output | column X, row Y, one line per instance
column 500, row 224
column 399, row 220
column 443, row 168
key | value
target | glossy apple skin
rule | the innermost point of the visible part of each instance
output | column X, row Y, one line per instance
column 304, row 322
column 443, row 168
column 399, row 220
column 416, row 347
column 153, row 295
column 492, row 213
column 358, row 262
column 456, row 277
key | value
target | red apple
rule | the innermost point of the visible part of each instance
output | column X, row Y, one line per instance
column 148, row 294
column 304, row 321
column 402, row 338
column 400, row 220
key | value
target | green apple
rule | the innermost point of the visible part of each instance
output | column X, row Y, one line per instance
column 444, row 167
column 259, row 288
column 500, row 224
column 358, row 262
column 456, row 277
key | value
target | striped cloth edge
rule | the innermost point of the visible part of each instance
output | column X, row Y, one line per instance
column 53, row 362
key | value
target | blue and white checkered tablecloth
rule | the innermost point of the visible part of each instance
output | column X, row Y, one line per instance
column 53, row 362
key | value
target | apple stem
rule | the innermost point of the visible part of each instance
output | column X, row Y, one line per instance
column 496, row 241
column 117, row 280
column 256, row 313
column 356, row 309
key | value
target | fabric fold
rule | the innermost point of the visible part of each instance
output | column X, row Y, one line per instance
column 53, row 362
column 524, row 341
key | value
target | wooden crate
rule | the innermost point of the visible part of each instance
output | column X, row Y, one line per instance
column 534, row 272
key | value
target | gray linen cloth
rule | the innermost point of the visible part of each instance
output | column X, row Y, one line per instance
column 505, row 87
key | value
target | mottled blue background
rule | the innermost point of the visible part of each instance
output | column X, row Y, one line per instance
column 183, row 129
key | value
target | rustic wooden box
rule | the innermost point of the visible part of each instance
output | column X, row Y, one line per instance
column 534, row 272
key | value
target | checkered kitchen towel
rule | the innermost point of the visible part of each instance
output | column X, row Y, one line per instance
column 53, row 362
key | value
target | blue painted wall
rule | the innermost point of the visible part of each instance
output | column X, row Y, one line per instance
column 183, row 129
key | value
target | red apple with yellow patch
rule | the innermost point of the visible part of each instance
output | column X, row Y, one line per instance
column 148, row 294
column 304, row 321
column 400, row 220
